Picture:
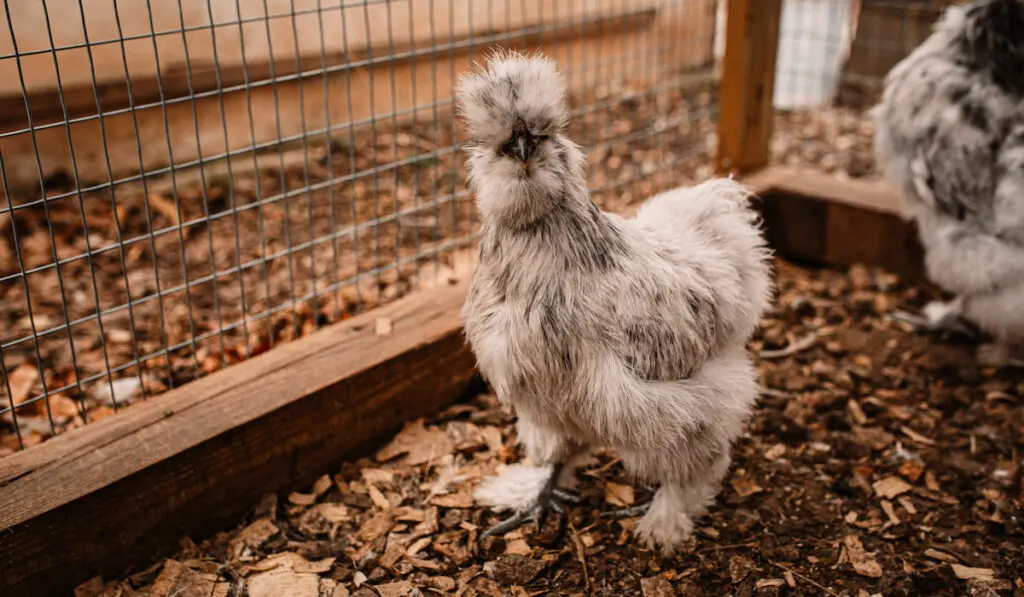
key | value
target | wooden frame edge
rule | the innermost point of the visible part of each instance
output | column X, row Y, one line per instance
column 109, row 496
column 815, row 217
column 114, row 494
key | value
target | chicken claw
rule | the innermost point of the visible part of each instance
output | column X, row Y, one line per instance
column 550, row 498
column 632, row 511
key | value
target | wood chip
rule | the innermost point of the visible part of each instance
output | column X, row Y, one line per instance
column 165, row 207
column 863, row 563
column 378, row 476
column 178, row 580
column 253, row 536
column 775, row 452
column 745, row 486
column 890, row 487
column 322, row 485
column 656, row 586
column 377, row 497
column 22, row 381
column 890, row 512
column 377, row 526
column 462, row 499
column 856, row 412
column 619, row 495
column 419, row 444
column 283, row 581
column 912, row 470
column 917, row 437
column 968, row 573
column 769, row 582
column 332, row 512
column 492, row 437
column 941, row 556
column 518, row 547
column 907, row 505
column 401, row 588
column 302, row 499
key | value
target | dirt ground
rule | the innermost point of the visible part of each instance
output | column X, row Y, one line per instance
column 218, row 273
column 879, row 462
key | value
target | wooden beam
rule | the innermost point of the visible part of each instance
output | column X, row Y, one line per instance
column 114, row 495
column 812, row 216
column 748, row 84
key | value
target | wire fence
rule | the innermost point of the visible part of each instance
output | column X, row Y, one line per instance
column 188, row 184
column 832, row 61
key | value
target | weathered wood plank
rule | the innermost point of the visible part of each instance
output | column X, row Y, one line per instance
column 748, row 85
column 113, row 495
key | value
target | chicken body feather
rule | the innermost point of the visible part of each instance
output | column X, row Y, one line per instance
column 601, row 330
column 950, row 137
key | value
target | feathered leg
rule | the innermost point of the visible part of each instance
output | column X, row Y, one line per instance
column 532, row 491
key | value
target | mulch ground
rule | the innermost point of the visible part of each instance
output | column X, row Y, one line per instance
column 879, row 462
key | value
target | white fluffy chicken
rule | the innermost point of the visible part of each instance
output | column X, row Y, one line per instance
column 950, row 134
column 602, row 331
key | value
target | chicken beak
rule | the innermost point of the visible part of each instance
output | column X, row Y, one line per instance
column 522, row 149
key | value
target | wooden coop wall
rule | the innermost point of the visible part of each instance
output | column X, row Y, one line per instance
column 887, row 31
column 597, row 32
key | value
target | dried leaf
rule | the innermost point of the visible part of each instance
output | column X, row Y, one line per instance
column 863, row 563
column 891, row 487
column 619, row 495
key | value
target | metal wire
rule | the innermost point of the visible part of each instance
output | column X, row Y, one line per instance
column 832, row 61
column 188, row 195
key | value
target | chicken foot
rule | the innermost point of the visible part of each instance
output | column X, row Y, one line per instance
column 938, row 317
column 632, row 511
column 551, row 497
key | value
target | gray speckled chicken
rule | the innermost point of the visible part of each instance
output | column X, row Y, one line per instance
column 950, row 136
column 599, row 330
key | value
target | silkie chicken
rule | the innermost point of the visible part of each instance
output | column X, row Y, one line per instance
column 603, row 331
column 950, row 137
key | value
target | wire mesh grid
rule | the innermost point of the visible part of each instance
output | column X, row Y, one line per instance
column 832, row 61
column 188, row 184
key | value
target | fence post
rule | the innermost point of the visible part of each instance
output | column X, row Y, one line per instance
column 748, row 84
